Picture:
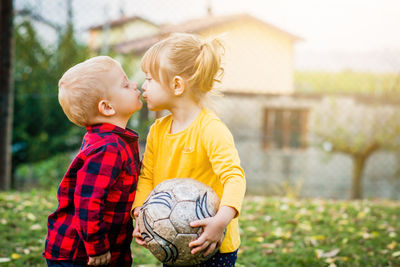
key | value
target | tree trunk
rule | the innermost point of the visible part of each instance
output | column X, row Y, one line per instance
column 6, row 92
column 358, row 168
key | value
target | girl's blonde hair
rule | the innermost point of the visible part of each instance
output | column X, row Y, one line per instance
column 197, row 61
column 80, row 89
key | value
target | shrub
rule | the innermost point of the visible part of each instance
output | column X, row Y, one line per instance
column 43, row 174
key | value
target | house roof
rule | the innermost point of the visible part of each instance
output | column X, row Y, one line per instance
column 197, row 25
column 121, row 21
column 192, row 26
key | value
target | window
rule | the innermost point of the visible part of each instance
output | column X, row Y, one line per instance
column 285, row 128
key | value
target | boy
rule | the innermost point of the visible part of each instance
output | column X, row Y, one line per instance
column 92, row 224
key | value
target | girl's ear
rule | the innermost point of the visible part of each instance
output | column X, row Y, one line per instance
column 178, row 85
column 105, row 108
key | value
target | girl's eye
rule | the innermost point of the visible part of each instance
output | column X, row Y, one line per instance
column 148, row 79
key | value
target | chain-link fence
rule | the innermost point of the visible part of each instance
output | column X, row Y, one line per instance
column 299, row 131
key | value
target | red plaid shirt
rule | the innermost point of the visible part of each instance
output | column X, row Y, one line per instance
column 95, row 198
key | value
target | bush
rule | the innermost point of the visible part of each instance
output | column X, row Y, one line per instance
column 43, row 174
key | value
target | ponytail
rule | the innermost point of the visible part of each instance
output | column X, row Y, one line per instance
column 208, row 65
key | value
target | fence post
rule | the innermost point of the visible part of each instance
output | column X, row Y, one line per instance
column 6, row 92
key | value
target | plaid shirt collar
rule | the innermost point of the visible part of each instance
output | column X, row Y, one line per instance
column 107, row 128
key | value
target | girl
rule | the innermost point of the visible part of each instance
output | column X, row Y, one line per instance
column 191, row 141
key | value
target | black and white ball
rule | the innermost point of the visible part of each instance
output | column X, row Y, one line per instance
column 166, row 214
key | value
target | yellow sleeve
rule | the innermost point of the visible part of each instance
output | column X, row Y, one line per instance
column 224, row 158
column 145, row 181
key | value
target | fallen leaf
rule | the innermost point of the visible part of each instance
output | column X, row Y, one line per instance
column 361, row 215
column 318, row 237
column 284, row 207
column 331, row 253
column 330, row 260
column 258, row 239
column 31, row 217
column 306, row 226
column 392, row 245
column 4, row 260
column 268, row 252
column 321, row 254
column 318, row 253
column 268, row 245
column 15, row 256
column 267, row 218
column 242, row 249
column 36, row 227
column 251, row 229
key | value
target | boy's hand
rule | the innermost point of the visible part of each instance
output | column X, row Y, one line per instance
column 213, row 231
column 100, row 260
column 136, row 232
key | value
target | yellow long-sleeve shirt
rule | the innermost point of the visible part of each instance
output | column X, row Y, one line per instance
column 204, row 151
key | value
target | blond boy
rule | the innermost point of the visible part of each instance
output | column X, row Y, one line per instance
column 92, row 224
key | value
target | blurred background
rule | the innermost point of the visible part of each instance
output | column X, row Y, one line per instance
column 311, row 90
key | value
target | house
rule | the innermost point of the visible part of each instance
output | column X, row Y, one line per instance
column 268, row 118
column 120, row 31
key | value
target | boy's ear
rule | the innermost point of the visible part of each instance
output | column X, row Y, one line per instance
column 105, row 108
column 178, row 85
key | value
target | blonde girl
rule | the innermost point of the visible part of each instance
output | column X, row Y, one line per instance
column 191, row 141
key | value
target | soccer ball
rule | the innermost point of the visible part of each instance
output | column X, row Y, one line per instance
column 166, row 214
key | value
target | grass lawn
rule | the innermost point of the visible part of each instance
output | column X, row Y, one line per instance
column 274, row 231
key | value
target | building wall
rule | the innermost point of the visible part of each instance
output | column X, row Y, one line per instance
column 320, row 174
column 130, row 31
column 249, row 44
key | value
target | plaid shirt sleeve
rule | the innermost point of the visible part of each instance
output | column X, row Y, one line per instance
column 99, row 172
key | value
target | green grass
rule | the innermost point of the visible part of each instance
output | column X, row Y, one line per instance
column 285, row 232
column 274, row 232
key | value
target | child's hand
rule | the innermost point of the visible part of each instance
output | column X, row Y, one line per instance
column 136, row 232
column 100, row 260
column 211, row 238
column 213, row 230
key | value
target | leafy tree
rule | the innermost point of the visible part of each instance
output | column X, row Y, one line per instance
column 41, row 129
column 356, row 130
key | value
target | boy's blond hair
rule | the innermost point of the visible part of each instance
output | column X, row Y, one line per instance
column 196, row 60
column 80, row 89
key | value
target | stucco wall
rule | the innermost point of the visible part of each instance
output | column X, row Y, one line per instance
column 250, row 44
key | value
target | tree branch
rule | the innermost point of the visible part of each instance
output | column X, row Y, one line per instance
column 39, row 18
